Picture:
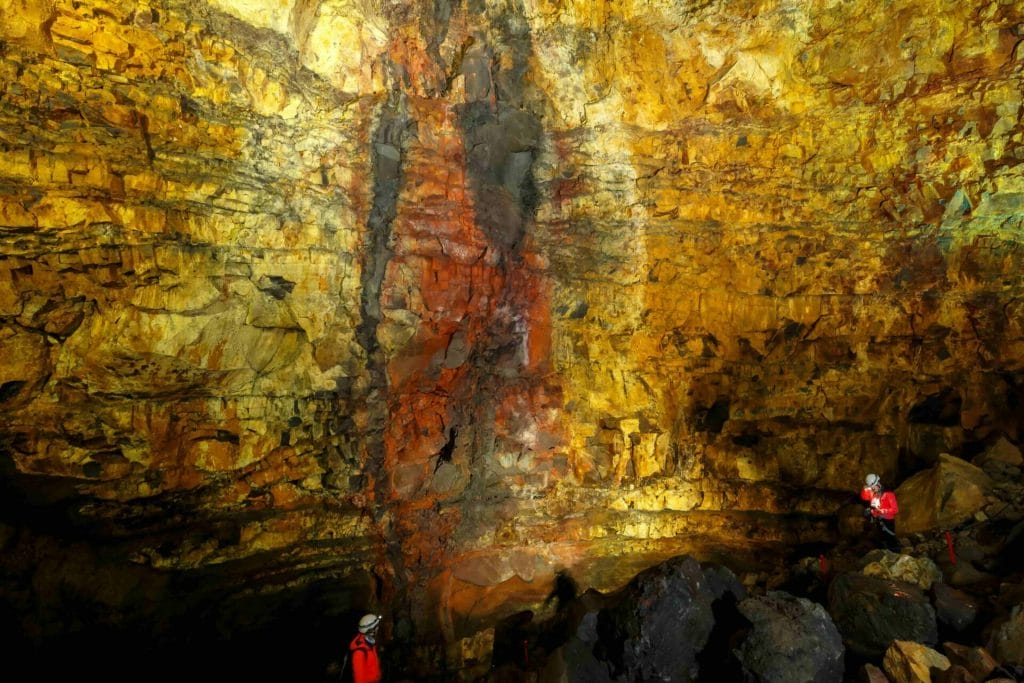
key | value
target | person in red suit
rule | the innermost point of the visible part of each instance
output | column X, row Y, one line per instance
column 363, row 650
column 882, row 507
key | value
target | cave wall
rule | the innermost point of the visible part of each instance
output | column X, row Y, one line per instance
column 431, row 300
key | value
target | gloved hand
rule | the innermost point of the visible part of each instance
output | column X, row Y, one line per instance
column 875, row 512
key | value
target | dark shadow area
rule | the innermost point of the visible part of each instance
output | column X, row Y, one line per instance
column 73, row 603
column 296, row 637
column 717, row 661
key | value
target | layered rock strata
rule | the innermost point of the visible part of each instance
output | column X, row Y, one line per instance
column 430, row 301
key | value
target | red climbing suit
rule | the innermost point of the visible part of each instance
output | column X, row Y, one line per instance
column 883, row 504
column 365, row 663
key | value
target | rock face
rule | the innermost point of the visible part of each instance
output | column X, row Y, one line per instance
column 407, row 306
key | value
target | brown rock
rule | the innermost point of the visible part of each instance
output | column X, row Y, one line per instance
column 941, row 497
column 1002, row 452
column 869, row 673
column 909, row 662
column 976, row 660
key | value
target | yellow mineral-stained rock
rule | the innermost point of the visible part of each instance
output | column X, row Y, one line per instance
column 430, row 301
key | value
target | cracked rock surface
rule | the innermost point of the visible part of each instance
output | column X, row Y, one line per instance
column 327, row 306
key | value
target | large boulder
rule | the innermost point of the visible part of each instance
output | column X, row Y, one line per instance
column 791, row 640
column 662, row 620
column 872, row 612
column 941, row 497
column 654, row 628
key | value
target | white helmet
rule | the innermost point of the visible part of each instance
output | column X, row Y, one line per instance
column 871, row 480
column 369, row 622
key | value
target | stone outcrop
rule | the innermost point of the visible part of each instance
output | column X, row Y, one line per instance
column 411, row 305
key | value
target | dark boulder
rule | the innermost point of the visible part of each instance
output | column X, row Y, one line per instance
column 662, row 620
column 791, row 640
column 955, row 609
column 656, row 628
column 871, row 612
